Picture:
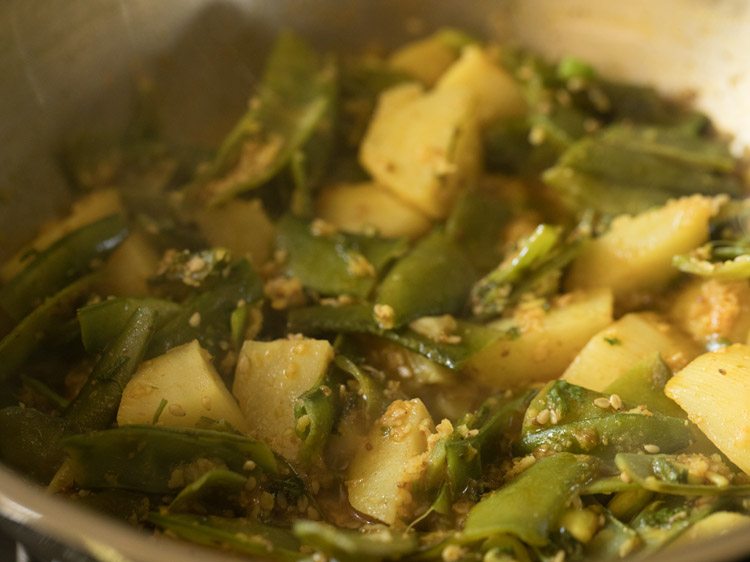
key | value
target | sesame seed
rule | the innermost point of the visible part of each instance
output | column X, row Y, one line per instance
column 385, row 316
column 602, row 402
column 319, row 227
column 616, row 401
column 249, row 465
column 537, row 136
column 625, row 478
column 653, row 449
column 195, row 320
column 452, row 553
column 542, row 418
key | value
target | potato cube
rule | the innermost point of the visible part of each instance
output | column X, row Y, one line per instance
column 714, row 390
column 186, row 380
column 129, row 267
column 363, row 206
column 270, row 376
column 635, row 255
column 496, row 94
column 424, row 59
column 240, row 226
column 631, row 340
column 392, row 457
column 424, row 147
column 545, row 342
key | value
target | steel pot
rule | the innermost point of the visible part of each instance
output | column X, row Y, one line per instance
column 69, row 65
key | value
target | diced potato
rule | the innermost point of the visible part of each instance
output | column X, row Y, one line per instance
column 424, row 147
column 714, row 390
column 711, row 310
column 635, row 255
column 425, row 59
column 631, row 340
column 185, row 378
column 496, row 94
column 390, row 460
column 715, row 525
column 94, row 206
column 129, row 267
column 364, row 206
column 270, row 376
column 546, row 342
column 240, row 226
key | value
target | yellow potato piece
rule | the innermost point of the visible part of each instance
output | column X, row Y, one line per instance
column 129, row 267
column 714, row 390
column 545, row 344
column 185, row 378
column 495, row 92
column 240, row 226
column 424, row 147
column 362, row 207
column 635, row 255
column 391, row 458
column 269, row 378
column 631, row 340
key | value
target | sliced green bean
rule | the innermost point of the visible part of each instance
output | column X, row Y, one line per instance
column 17, row 346
column 30, row 441
column 606, row 436
column 358, row 318
column 335, row 263
column 103, row 321
column 241, row 535
column 206, row 316
column 371, row 392
column 217, row 490
column 664, row 519
column 643, row 385
column 476, row 225
column 586, row 422
column 315, row 413
column 434, row 278
column 61, row 263
column 617, row 178
column 146, row 458
column 530, row 506
column 727, row 270
column 96, row 405
column 346, row 544
column 667, row 474
column 294, row 99
column 494, row 292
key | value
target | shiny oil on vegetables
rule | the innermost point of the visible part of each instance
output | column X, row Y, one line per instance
column 453, row 303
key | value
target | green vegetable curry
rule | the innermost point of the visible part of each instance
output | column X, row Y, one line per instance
column 454, row 303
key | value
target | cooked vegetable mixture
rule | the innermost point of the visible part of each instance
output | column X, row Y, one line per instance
column 454, row 303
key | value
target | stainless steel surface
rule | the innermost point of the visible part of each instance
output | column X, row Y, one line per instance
column 69, row 65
